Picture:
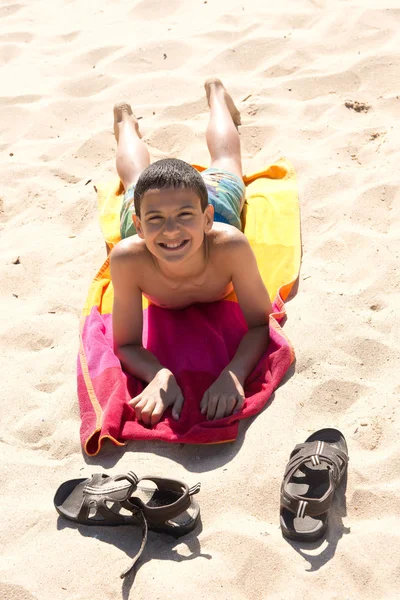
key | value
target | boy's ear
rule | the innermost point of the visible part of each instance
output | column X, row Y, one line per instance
column 138, row 226
column 209, row 218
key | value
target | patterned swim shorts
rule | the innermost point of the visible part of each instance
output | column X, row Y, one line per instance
column 226, row 192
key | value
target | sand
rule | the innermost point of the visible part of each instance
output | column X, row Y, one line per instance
column 315, row 81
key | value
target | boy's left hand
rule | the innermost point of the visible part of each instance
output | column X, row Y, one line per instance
column 225, row 396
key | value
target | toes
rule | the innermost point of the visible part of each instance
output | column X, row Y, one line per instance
column 237, row 119
column 212, row 81
column 120, row 108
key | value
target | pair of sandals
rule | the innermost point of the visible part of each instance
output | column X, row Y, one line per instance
column 313, row 473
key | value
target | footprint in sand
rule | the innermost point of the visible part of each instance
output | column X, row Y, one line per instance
column 8, row 52
column 373, row 357
column 48, row 387
column 66, row 38
column 17, row 36
column 15, row 592
column 90, row 85
column 26, row 337
column 170, row 139
column 368, row 504
column 372, row 207
column 183, row 111
column 369, row 433
column 91, row 58
column 10, row 9
column 334, row 396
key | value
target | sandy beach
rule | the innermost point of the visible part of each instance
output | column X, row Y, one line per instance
column 316, row 82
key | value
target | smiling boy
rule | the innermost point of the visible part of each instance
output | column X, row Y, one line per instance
column 183, row 245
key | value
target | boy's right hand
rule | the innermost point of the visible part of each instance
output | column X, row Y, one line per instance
column 161, row 392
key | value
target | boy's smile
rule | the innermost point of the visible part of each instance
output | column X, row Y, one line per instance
column 175, row 246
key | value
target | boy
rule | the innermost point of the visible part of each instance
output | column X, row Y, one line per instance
column 188, row 249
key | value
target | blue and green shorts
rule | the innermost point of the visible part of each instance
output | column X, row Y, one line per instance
column 226, row 192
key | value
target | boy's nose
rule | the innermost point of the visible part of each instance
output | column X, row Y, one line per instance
column 171, row 226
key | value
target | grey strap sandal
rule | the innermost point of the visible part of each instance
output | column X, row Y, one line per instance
column 313, row 473
column 167, row 506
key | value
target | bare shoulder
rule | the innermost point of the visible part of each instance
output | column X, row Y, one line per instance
column 229, row 249
column 128, row 260
column 227, row 239
column 130, row 249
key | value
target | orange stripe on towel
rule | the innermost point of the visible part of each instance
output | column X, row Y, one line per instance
column 88, row 382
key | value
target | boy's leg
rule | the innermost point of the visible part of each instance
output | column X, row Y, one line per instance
column 132, row 153
column 222, row 136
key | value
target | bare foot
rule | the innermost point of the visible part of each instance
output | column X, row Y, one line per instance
column 215, row 86
column 123, row 115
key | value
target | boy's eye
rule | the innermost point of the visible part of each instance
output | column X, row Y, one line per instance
column 186, row 214
column 155, row 219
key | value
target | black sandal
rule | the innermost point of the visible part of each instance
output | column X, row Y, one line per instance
column 312, row 475
column 120, row 500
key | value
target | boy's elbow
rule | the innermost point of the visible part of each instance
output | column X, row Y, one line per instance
column 261, row 326
column 262, row 333
column 120, row 349
column 117, row 349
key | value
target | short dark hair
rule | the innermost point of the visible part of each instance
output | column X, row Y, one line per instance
column 170, row 172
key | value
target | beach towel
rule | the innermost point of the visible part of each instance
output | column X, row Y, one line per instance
column 195, row 343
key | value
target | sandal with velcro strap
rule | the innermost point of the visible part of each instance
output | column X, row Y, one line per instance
column 166, row 506
column 312, row 476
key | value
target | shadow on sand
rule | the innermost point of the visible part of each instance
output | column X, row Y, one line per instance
column 319, row 553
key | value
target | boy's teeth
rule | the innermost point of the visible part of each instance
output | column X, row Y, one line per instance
column 173, row 245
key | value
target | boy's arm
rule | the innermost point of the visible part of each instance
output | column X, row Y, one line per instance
column 256, row 306
column 127, row 320
column 226, row 395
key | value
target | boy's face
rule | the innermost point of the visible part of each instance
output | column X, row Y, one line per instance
column 172, row 223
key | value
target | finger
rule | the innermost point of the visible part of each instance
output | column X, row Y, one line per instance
column 147, row 411
column 135, row 400
column 230, row 405
column 177, row 406
column 212, row 407
column 239, row 404
column 221, row 408
column 138, row 409
column 157, row 413
column 204, row 403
